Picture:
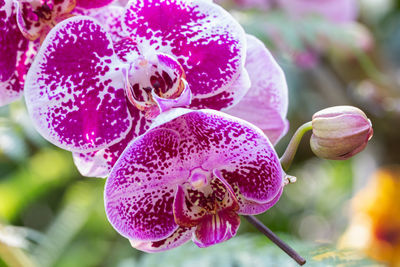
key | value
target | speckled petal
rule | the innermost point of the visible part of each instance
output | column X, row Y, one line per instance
column 239, row 150
column 179, row 237
column 248, row 207
column 216, row 228
column 266, row 102
column 92, row 3
column 255, row 174
column 180, row 147
column 99, row 163
column 140, row 190
column 74, row 90
column 205, row 39
column 8, row 53
column 13, row 53
column 226, row 99
column 110, row 18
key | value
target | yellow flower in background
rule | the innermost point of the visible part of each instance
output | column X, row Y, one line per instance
column 375, row 222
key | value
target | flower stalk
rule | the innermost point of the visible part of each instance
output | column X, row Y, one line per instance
column 275, row 239
column 290, row 152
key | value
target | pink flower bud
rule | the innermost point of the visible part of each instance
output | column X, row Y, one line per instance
column 340, row 132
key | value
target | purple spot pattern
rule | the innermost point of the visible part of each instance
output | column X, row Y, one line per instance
column 110, row 17
column 92, row 3
column 206, row 45
column 157, row 167
column 71, row 90
column 139, row 201
column 99, row 163
column 204, row 38
column 226, row 99
column 14, row 54
column 211, row 209
column 179, row 237
column 191, row 205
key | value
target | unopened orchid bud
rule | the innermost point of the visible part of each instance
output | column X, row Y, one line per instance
column 340, row 132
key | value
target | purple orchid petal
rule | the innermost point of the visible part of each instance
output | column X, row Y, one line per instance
column 74, row 90
column 179, row 237
column 243, row 154
column 266, row 102
column 99, row 163
column 8, row 55
column 14, row 52
column 140, row 190
column 248, row 207
column 126, row 49
column 251, row 199
column 335, row 10
column 269, row 120
column 192, row 163
column 110, row 18
column 226, row 99
column 201, row 35
column 92, row 3
column 216, row 228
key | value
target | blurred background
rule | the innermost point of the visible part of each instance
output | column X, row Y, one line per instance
column 338, row 213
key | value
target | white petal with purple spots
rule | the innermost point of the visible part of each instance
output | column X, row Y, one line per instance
column 99, row 163
column 192, row 169
column 205, row 39
column 74, row 90
column 179, row 237
column 140, row 190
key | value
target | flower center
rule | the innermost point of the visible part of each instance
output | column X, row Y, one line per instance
column 44, row 11
column 198, row 178
column 204, row 194
column 154, row 81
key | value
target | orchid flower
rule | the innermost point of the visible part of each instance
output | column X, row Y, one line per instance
column 24, row 20
column 190, row 177
column 95, row 103
column 340, row 11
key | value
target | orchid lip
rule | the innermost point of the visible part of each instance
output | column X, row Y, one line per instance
column 156, row 81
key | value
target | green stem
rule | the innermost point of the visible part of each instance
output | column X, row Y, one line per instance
column 287, row 158
column 275, row 239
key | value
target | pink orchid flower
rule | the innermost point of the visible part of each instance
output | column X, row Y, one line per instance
column 190, row 177
column 21, row 20
column 92, row 93
column 335, row 10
